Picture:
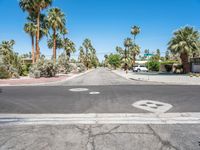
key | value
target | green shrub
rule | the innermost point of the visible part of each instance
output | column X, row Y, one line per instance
column 169, row 65
column 25, row 69
column 14, row 73
column 153, row 65
column 4, row 74
column 114, row 60
column 170, row 62
column 43, row 68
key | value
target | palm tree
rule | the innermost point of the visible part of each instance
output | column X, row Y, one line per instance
column 87, row 45
column 81, row 57
column 185, row 43
column 64, row 32
column 127, row 44
column 35, row 7
column 56, row 19
column 31, row 29
column 59, row 43
column 135, row 30
column 134, row 51
column 69, row 47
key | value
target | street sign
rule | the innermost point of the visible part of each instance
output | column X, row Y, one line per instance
column 146, row 55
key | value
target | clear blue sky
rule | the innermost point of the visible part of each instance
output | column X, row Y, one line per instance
column 107, row 22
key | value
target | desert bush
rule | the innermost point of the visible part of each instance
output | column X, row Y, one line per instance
column 4, row 73
column 168, row 65
column 24, row 71
column 81, row 67
column 153, row 65
column 43, row 68
column 63, row 64
column 73, row 68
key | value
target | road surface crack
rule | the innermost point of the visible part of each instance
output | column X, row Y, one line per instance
column 163, row 142
column 90, row 144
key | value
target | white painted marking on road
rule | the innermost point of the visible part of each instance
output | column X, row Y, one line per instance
column 78, row 89
column 124, row 118
column 152, row 106
column 94, row 93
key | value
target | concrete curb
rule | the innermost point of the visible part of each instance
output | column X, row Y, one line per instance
column 120, row 118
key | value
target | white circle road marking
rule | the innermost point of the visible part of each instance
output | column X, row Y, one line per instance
column 78, row 89
column 94, row 93
column 152, row 106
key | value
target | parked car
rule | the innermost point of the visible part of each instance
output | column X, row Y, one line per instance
column 140, row 68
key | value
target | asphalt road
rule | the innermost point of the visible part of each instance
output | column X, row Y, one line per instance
column 116, row 95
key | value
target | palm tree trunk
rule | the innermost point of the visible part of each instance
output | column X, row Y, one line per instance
column 87, row 65
column 33, row 50
column 54, row 46
column 185, row 63
column 69, row 55
column 38, row 37
column 134, row 39
column 133, row 63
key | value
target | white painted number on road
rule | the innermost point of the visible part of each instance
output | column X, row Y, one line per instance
column 94, row 93
column 78, row 89
column 152, row 106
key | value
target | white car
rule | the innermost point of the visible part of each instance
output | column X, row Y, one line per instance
column 140, row 68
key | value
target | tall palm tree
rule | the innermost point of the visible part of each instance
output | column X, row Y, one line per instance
column 35, row 7
column 69, row 47
column 134, row 51
column 56, row 19
column 31, row 29
column 64, row 32
column 59, row 43
column 87, row 45
column 135, row 30
column 127, row 44
column 81, row 57
column 185, row 43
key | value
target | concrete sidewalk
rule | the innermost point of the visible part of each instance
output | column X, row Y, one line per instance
column 27, row 81
column 100, row 137
column 159, row 78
